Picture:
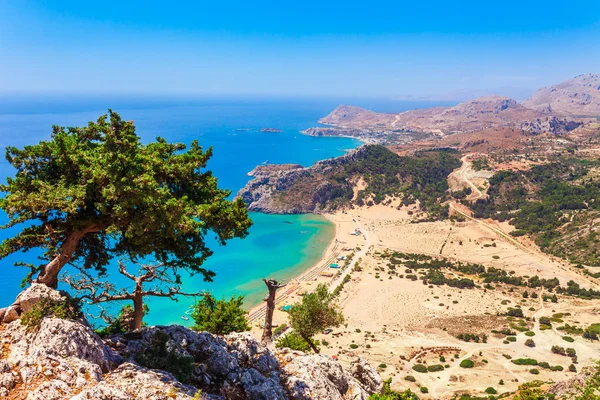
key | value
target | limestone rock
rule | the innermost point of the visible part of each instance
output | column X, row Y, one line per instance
column 65, row 359
column 34, row 294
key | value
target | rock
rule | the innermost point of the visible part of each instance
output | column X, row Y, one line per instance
column 11, row 314
column 34, row 294
column 65, row 359
column 366, row 375
column 319, row 377
column 130, row 381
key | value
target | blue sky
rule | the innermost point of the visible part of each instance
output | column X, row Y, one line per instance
column 294, row 48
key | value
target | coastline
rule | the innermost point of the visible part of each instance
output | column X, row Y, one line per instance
column 343, row 243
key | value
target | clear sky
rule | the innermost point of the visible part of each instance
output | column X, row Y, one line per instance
column 373, row 48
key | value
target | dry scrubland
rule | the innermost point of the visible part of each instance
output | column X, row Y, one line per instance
column 397, row 323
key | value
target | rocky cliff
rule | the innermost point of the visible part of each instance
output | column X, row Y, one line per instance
column 65, row 359
column 578, row 96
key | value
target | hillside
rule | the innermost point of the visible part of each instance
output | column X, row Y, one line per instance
column 369, row 175
column 579, row 96
column 471, row 116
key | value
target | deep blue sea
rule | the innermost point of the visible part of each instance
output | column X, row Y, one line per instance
column 275, row 247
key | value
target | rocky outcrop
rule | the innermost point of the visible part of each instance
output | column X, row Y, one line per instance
column 27, row 298
column 65, row 359
column 298, row 190
column 579, row 96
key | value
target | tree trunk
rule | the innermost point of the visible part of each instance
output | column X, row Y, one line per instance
column 138, row 312
column 49, row 275
column 272, row 286
column 311, row 343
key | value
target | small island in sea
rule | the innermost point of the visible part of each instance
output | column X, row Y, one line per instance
column 270, row 130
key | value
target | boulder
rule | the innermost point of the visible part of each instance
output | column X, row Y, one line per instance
column 34, row 294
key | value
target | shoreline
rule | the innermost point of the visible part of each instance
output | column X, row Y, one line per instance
column 352, row 247
column 294, row 284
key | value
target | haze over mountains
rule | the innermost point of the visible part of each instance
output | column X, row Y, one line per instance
column 556, row 109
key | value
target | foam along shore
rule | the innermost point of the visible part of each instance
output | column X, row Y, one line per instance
column 344, row 250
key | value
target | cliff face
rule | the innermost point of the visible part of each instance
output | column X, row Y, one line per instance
column 277, row 190
column 578, row 96
column 65, row 359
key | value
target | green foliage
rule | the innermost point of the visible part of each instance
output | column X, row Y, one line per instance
column 491, row 390
column 420, row 368
column 122, row 323
column 468, row 337
column 159, row 356
column 220, row 316
column 315, row 312
column 524, row 361
column 549, row 202
column 435, row 368
column 466, row 363
column 107, row 195
column 68, row 309
column 529, row 343
column 389, row 394
column 424, row 389
column 568, row 339
column 295, row 342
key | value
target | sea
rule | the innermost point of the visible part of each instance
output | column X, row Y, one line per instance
column 279, row 246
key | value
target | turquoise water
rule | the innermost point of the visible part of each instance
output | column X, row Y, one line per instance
column 274, row 247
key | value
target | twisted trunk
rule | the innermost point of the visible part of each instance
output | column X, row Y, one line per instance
column 49, row 275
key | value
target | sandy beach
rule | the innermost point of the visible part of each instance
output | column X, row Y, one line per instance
column 396, row 323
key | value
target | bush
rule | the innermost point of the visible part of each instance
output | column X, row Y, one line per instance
column 68, row 309
column 534, row 371
column 424, row 389
column 353, row 346
column 220, row 317
column 529, row 343
column 524, row 361
column 529, row 333
column 295, row 342
column 435, row 368
column 568, row 339
column 515, row 312
column 159, row 356
column 420, row 368
column 491, row 390
column 382, row 366
column 558, row 350
column 467, row 363
column 410, row 378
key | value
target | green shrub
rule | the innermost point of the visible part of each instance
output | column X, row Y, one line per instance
column 420, row 368
column 524, row 361
column 353, row 346
column 435, row 368
column 424, row 389
column 534, row 371
column 159, row 356
column 491, row 390
column 568, row 339
column 529, row 343
column 410, row 378
column 382, row 366
column 295, row 342
column 466, row 363
column 67, row 309
column 529, row 333
column 511, row 338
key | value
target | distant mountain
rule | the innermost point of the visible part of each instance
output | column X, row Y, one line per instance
column 471, row 116
column 516, row 93
column 579, row 96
